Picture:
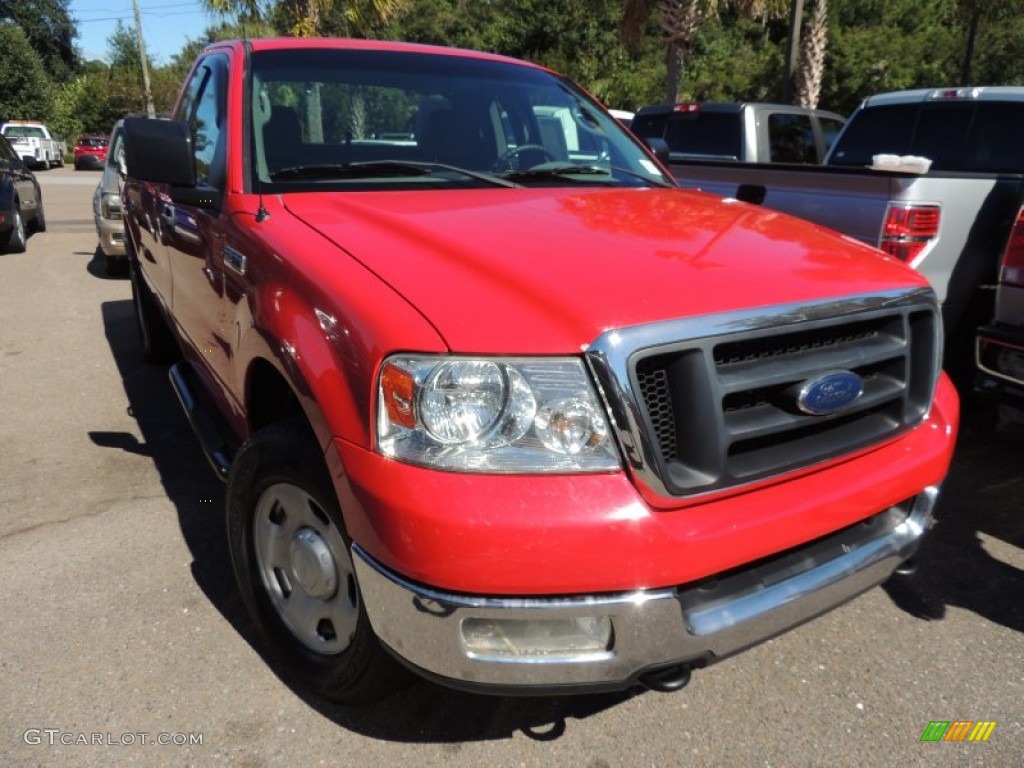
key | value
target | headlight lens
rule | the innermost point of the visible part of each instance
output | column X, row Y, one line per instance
column 110, row 206
column 493, row 415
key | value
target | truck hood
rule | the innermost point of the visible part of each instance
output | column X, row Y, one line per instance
column 546, row 271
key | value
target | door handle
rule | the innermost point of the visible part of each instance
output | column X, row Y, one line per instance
column 235, row 260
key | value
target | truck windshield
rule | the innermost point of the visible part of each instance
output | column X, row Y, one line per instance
column 24, row 132
column 324, row 117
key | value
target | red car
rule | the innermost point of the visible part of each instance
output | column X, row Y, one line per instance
column 91, row 152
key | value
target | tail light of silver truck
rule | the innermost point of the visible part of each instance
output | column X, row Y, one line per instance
column 908, row 229
column 1013, row 259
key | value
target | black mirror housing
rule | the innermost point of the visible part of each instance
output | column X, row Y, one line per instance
column 159, row 151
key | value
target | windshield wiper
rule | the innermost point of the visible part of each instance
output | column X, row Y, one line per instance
column 371, row 169
column 350, row 170
column 561, row 171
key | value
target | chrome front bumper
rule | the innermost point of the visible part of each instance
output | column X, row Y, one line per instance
column 111, row 235
column 651, row 628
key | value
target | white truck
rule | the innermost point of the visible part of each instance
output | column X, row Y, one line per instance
column 34, row 144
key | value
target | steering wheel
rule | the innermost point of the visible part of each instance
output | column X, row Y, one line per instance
column 523, row 157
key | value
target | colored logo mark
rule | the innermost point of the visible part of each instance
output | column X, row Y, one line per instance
column 958, row 730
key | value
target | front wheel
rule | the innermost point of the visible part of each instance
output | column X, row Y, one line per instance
column 293, row 564
column 40, row 222
column 155, row 337
column 17, row 238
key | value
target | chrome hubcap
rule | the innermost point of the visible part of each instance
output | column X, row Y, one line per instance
column 305, row 568
column 313, row 564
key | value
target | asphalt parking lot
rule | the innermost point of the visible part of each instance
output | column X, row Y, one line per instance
column 121, row 628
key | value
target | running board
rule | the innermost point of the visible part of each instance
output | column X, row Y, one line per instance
column 205, row 422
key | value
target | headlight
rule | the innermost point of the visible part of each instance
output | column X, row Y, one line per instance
column 110, row 205
column 493, row 415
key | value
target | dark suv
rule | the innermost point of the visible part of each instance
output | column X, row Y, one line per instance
column 21, row 202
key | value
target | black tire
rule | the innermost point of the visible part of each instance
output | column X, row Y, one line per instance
column 78, row 165
column 16, row 237
column 114, row 266
column 293, row 564
column 158, row 345
column 40, row 223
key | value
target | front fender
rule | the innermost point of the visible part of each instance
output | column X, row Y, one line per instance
column 327, row 339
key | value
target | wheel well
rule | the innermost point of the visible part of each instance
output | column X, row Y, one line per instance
column 269, row 398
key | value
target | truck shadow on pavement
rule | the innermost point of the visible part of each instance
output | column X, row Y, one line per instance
column 422, row 713
column 983, row 495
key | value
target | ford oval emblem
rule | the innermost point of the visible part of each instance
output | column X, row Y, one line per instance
column 830, row 392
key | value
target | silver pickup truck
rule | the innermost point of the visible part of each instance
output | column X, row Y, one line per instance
column 1000, row 344
column 950, row 222
column 747, row 132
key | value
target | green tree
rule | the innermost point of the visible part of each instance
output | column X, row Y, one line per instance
column 50, row 31
column 305, row 18
column 679, row 22
column 974, row 13
column 24, row 86
column 123, row 50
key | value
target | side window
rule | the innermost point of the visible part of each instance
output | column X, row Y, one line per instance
column 115, row 152
column 207, row 119
column 791, row 139
column 830, row 128
column 191, row 93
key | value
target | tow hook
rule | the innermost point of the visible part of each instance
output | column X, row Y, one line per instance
column 667, row 679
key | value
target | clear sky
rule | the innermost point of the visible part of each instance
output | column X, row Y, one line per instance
column 166, row 25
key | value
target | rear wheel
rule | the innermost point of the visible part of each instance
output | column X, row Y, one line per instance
column 293, row 563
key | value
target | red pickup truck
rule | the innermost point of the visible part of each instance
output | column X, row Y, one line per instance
column 494, row 398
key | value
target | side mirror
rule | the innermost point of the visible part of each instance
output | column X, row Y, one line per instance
column 159, row 151
column 659, row 147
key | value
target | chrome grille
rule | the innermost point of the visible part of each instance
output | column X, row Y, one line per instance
column 705, row 404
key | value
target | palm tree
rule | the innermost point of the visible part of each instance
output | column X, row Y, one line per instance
column 811, row 70
column 680, row 20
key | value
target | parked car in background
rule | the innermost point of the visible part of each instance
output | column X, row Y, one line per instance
column 90, row 152
column 21, row 201
column 1000, row 344
column 744, row 132
column 33, row 143
column 106, row 204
